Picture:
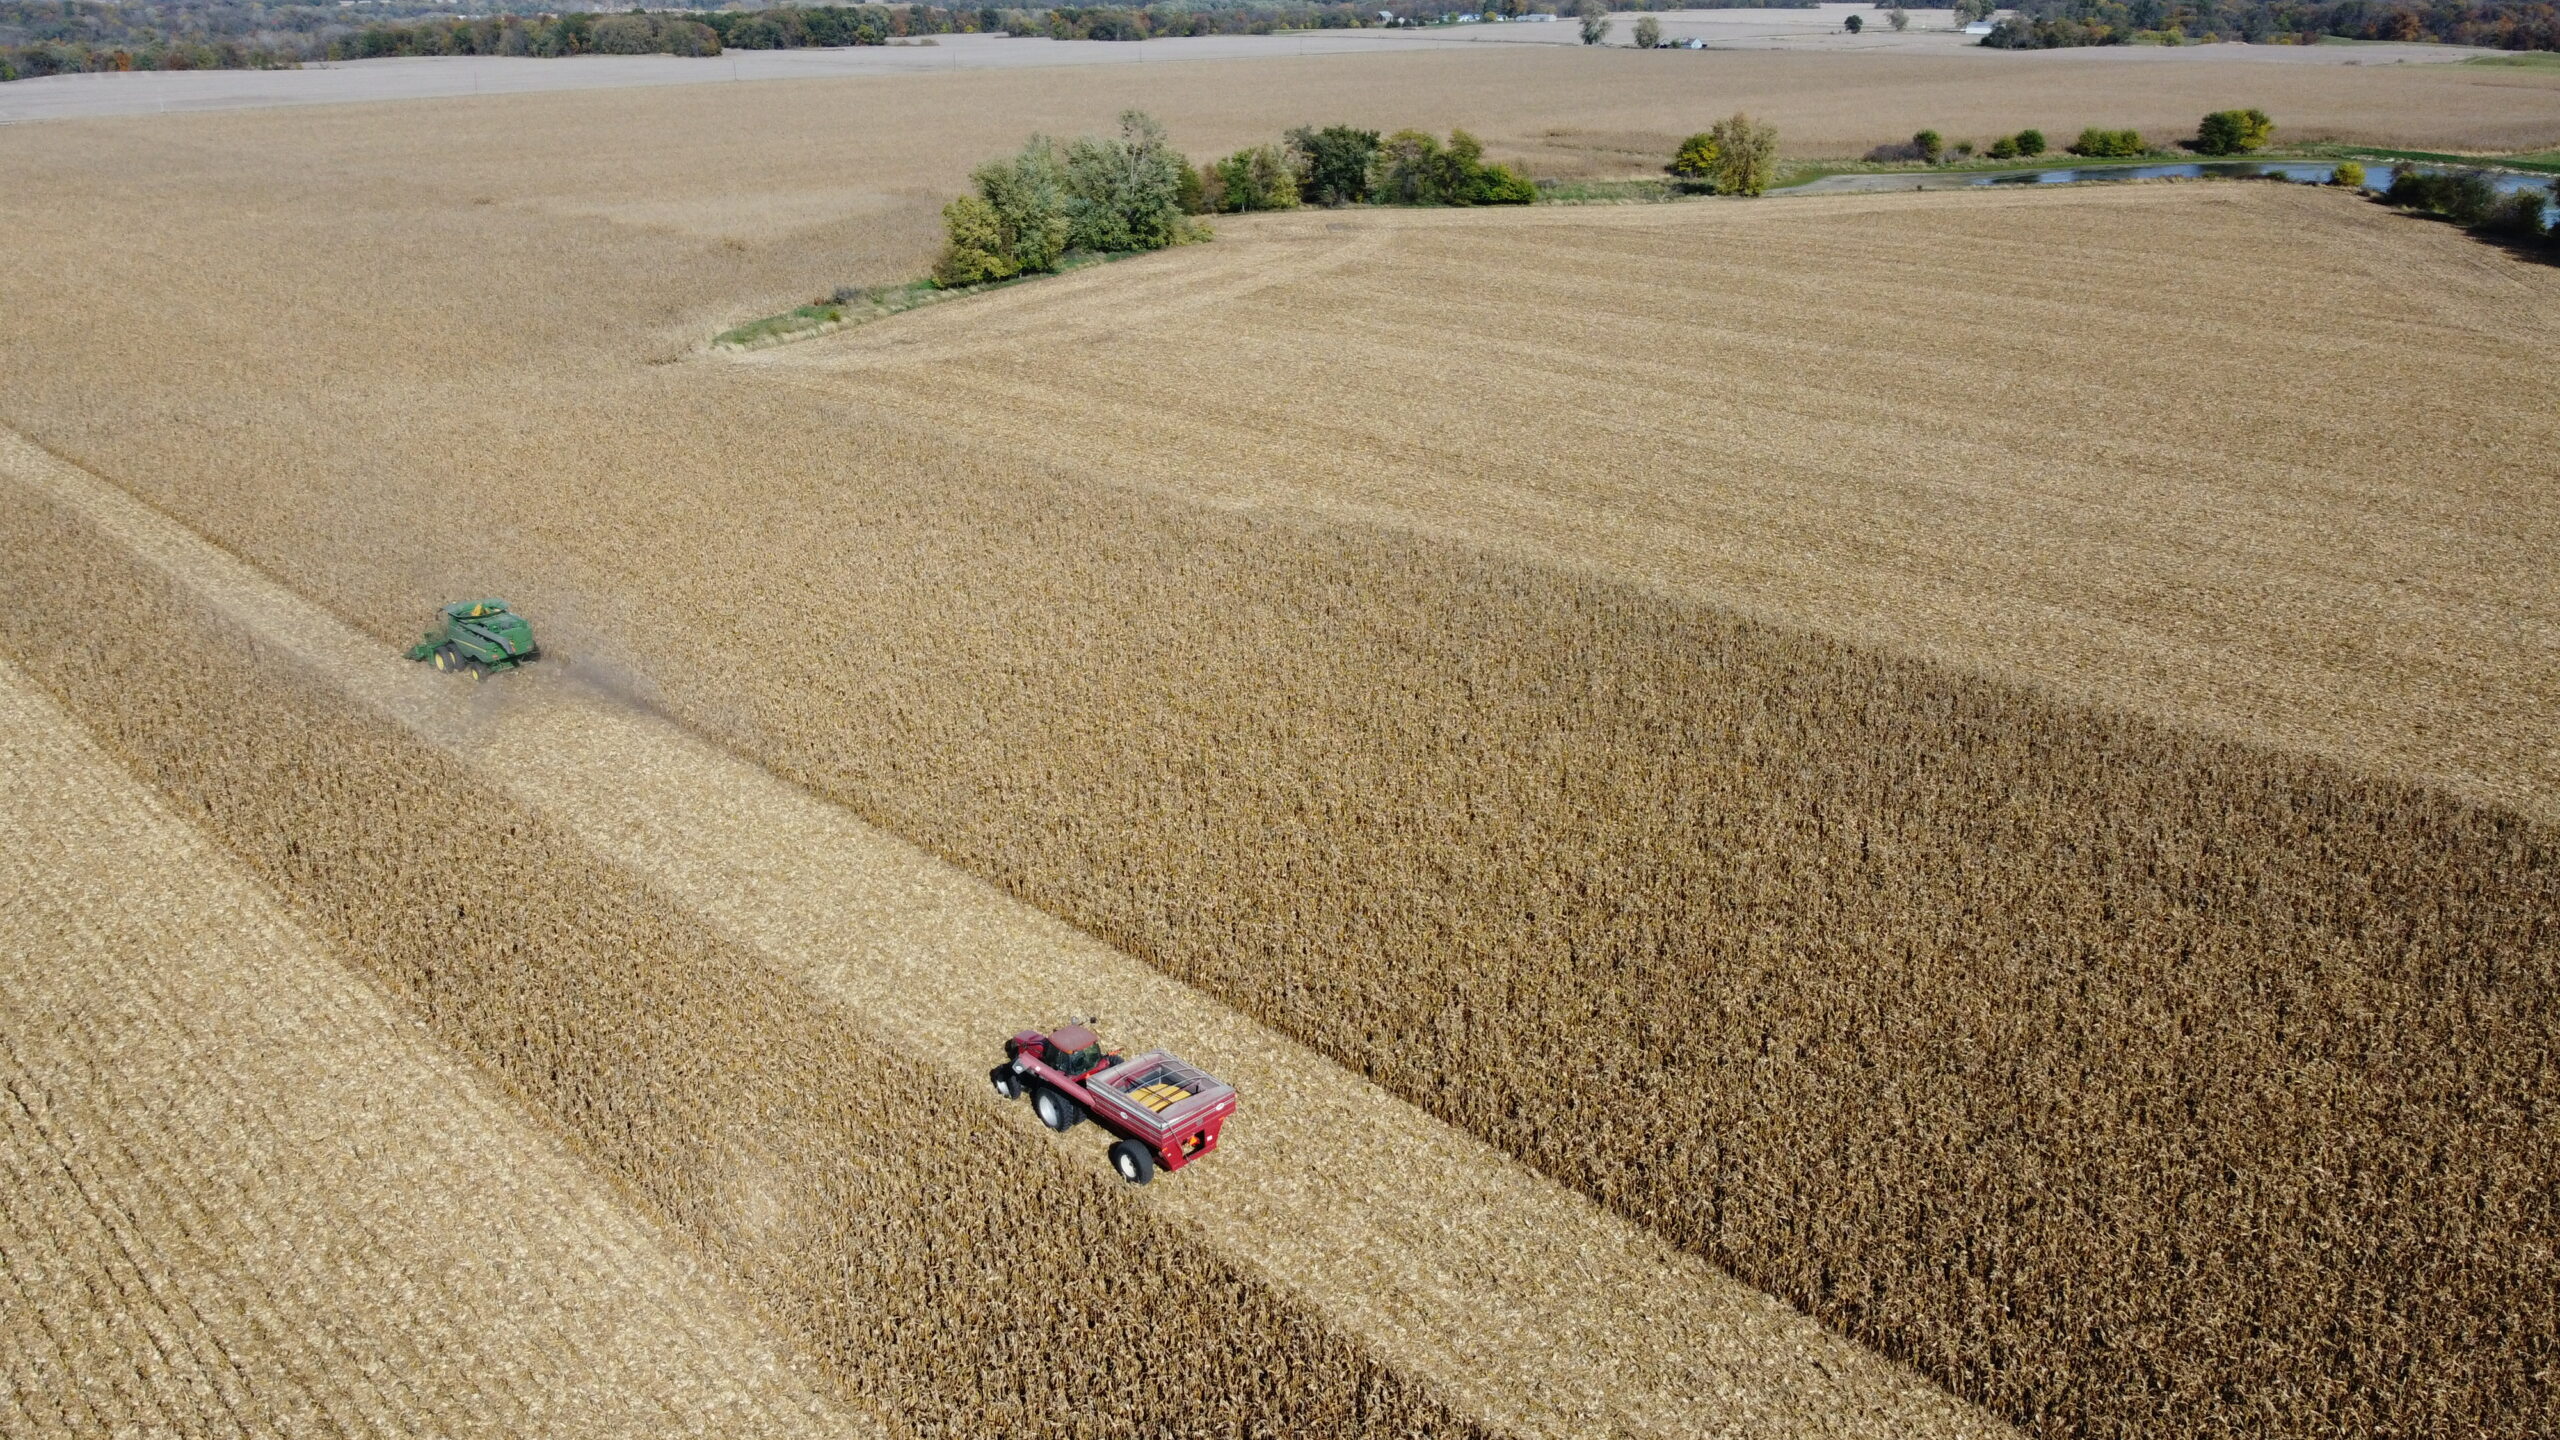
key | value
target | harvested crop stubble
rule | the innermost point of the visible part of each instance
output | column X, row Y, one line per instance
column 895, row 1229
column 246, row 1196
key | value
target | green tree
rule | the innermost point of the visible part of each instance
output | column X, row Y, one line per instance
column 2108, row 144
column 1124, row 192
column 976, row 251
column 2030, row 142
column 1595, row 21
column 1465, row 178
column 1408, row 170
column 1855, row 23
column 2349, row 174
column 1929, row 145
column 2516, row 215
column 2233, row 132
column 1697, row 157
column 1028, row 194
column 1648, row 33
column 1333, row 163
column 1260, row 178
column 1746, row 155
column 2463, row 196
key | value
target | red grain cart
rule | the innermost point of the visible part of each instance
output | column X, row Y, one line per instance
column 1166, row 1112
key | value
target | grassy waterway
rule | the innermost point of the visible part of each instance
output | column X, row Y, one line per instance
column 861, row 306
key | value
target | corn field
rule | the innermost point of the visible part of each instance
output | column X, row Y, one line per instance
column 2105, row 1072
column 226, row 1154
column 835, row 1181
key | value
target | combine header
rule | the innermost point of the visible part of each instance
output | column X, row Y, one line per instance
column 1166, row 1112
column 481, row 636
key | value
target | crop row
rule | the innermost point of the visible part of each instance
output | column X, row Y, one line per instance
column 2129, row 1082
column 945, row 1267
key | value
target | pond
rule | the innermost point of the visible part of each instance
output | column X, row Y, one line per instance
column 2377, row 176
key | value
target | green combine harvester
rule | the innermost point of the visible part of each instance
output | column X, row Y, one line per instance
column 481, row 636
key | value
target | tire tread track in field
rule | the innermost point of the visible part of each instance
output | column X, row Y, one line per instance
column 265, row 1204
column 1529, row 1305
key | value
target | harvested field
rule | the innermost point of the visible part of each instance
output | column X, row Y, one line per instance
column 245, row 1196
column 2334, row 535
column 2138, row 1037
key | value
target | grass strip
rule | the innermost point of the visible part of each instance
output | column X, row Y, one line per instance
column 862, row 305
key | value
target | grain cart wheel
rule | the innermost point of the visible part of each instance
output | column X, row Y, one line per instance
column 1008, row 1084
column 1055, row 1110
column 1135, row 1162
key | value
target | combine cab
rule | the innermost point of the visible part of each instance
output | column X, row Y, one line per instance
column 481, row 636
column 1166, row 1112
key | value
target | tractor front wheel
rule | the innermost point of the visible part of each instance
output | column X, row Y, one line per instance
column 1055, row 1110
column 1135, row 1162
column 1008, row 1084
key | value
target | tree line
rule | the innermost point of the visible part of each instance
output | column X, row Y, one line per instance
column 2472, row 200
column 2055, row 24
column 2224, row 132
column 40, row 38
column 51, row 37
column 1030, row 212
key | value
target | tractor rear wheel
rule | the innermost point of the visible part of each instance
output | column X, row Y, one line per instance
column 1008, row 1084
column 1055, row 1110
column 1135, row 1162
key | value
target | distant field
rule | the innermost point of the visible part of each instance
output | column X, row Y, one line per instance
column 1932, row 32
column 918, row 115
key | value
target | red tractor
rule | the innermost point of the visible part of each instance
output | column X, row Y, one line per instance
column 1167, row 1113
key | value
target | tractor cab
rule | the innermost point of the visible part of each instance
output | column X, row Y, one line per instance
column 1074, row 1051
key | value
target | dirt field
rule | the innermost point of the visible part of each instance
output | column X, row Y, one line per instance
column 1406, row 701
column 246, row 1196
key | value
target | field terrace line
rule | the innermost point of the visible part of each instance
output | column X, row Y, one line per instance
column 1525, row 1304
